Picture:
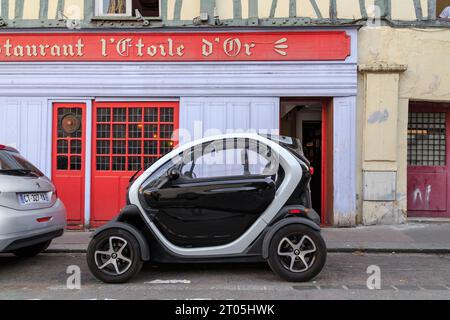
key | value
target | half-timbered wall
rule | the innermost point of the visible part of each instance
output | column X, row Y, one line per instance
column 55, row 13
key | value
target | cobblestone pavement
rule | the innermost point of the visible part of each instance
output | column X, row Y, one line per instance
column 403, row 276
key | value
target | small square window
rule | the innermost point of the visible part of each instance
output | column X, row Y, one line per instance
column 127, row 8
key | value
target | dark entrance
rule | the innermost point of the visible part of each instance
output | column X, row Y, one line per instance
column 312, row 146
column 305, row 120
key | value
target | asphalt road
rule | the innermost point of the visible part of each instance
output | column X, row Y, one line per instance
column 403, row 276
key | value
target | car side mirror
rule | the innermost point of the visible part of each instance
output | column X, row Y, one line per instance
column 173, row 174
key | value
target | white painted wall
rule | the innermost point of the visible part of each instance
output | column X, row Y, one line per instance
column 219, row 115
column 25, row 123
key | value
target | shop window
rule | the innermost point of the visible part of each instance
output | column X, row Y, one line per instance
column 127, row 8
column 426, row 139
column 132, row 137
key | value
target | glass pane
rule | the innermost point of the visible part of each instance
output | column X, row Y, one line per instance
column 151, row 147
column 134, row 163
column 134, row 147
column 165, row 147
column 166, row 115
column 62, row 162
column 102, row 147
column 75, row 163
column 62, row 146
column 75, row 146
column 114, row 6
column 103, row 115
column 151, row 131
column 119, row 131
column 166, row 131
column 103, row 131
column 119, row 115
column 118, row 163
column 135, row 114
column 426, row 139
column 119, row 147
column 151, row 115
column 134, row 131
column 103, row 163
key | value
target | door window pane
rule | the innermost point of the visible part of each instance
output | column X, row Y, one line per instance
column 427, row 139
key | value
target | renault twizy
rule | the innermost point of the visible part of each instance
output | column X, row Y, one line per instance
column 230, row 198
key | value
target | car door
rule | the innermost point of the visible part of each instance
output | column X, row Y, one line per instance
column 220, row 190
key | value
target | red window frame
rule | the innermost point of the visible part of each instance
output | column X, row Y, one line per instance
column 140, row 125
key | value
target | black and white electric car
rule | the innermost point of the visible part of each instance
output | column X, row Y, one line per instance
column 230, row 198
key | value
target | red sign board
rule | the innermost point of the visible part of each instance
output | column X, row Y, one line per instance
column 199, row 46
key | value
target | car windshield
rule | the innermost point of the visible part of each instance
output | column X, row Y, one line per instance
column 12, row 163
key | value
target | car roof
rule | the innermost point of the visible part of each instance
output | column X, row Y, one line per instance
column 8, row 148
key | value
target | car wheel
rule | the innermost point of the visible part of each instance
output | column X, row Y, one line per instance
column 297, row 253
column 32, row 251
column 114, row 256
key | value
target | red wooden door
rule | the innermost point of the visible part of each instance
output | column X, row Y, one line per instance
column 68, row 156
column 428, row 160
column 127, row 136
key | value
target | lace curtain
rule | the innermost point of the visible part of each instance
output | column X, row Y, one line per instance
column 117, row 7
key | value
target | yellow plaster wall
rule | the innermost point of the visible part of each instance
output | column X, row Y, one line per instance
column 190, row 9
column 31, row 9
column 74, row 9
column 426, row 53
column 52, row 8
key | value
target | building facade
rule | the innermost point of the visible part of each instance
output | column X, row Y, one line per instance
column 90, row 91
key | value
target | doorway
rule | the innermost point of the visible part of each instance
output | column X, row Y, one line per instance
column 68, row 158
column 307, row 120
column 428, row 160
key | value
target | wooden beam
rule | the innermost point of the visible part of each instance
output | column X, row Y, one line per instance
column 18, row 10
column 333, row 10
column 43, row 9
column 237, row 9
column 273, row 8
column 316, row 9
column 60, row 7
column 208, row 6
column 292, row 8
column 432, row 9
column 362, row 8
column 418, row 9
column 5, row 9
column 177, row 10
column 383, row 6
column 253, row 9
column 89, row 9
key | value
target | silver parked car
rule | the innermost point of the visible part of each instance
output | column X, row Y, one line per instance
column 31, row 215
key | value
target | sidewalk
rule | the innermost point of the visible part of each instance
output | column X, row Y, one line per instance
column 410, row 238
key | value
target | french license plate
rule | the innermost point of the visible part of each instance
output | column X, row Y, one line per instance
column 32, row 198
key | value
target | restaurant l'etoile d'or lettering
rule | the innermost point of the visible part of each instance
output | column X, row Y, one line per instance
column 123, row 47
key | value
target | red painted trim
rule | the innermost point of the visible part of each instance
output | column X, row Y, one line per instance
column 179, row 46
column 324, row 164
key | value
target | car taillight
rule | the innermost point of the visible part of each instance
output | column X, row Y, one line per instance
column 45, row 219
column 311, row 171
column 298, row 211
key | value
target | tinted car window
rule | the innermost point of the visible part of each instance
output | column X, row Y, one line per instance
column 13, row 163
column 231, row 157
